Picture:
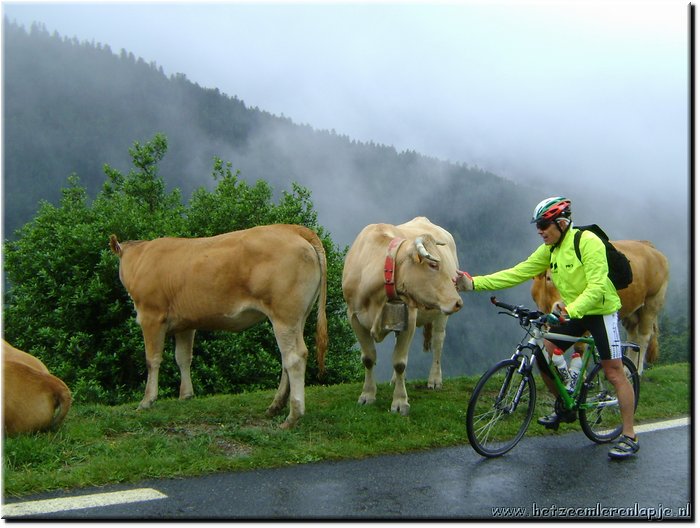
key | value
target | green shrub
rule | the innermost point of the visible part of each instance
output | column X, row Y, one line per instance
column 66, row 305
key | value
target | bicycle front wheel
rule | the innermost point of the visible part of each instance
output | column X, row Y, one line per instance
column 500, row 409
column 599, row 411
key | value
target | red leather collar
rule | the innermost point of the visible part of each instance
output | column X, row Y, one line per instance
column 390, row 268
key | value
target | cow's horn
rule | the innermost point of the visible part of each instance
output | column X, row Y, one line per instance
column 424, row 252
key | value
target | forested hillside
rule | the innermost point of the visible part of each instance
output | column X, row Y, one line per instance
column 71, row 107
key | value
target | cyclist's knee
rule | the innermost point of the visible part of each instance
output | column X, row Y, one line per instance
column 614, row 370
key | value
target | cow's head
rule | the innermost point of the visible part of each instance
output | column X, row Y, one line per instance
column 427, row 278
column 544, row 292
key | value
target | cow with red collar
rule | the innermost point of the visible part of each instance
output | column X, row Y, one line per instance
column 397, row 278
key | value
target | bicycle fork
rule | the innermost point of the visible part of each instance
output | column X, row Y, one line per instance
column 524, row 369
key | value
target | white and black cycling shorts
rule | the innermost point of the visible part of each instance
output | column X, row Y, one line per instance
column 603, row 328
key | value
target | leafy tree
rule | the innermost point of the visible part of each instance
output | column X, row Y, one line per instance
column 66, row 305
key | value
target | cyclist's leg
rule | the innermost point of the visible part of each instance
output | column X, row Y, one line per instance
column 574, row 328
column 605, row 332
column 615, row 372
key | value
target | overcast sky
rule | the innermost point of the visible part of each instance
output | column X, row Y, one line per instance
column 582, row 92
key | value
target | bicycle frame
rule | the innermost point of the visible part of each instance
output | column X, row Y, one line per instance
column 536, row 342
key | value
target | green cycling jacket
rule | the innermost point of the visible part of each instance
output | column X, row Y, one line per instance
column 583, row 284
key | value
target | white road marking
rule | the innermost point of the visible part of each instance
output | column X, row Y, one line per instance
column 658, row 426
column 80, row 502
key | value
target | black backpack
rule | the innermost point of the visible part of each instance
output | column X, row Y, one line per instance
column 619, row 268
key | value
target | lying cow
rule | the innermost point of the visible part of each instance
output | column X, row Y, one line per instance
column 390, row 269
column 642, row 300
column 32, row 399
column 229, row 282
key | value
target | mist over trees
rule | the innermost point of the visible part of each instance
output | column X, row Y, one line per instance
column 72, row 107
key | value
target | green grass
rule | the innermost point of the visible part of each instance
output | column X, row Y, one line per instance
column 101, row 445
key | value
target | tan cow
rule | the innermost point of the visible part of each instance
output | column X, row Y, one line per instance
column 422, row 270
column 642, row 300
column 32, row 398
column 229, row 282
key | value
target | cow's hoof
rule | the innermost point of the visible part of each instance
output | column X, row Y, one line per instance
column 144, row 405
column 366, row 400
column 288, row 424
column 187, row 397
column 403, row 408
column 273, row 410
column 436, row 386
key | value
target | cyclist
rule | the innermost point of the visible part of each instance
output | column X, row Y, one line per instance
column 590, row 302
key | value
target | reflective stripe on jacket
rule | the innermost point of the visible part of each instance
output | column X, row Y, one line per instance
column 583, row 284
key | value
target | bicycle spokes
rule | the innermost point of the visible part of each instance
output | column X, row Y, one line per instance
column 500, row 409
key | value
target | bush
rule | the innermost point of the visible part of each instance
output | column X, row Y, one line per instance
column 66, row 305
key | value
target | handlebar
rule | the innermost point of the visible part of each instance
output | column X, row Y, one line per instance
column 524, row 314
column 528, row 316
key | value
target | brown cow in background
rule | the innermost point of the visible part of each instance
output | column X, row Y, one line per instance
column 642, row 300
column 229, row 282
column 33, row 399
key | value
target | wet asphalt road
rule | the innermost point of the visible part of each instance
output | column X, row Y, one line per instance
column 542, row 477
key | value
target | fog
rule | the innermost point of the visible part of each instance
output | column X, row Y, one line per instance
column 558, row 93
column 584, row 99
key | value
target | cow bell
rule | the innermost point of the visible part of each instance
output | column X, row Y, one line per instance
column 395, row 316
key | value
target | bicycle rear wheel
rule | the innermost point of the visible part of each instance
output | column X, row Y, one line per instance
column 599, row 413
column 500, row 409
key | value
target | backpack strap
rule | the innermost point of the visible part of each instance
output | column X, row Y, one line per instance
column 577, row 241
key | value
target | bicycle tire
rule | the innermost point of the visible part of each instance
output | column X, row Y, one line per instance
column 604, row 423
column 492, row 426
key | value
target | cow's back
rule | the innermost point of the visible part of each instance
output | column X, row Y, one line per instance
column 11, row 353
column 207, row 282
column 363, row 272
column 33, row 400
column 649, row 265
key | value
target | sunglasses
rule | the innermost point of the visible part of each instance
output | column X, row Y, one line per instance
column 543, row 224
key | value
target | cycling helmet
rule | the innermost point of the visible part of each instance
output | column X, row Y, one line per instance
column 551, row 209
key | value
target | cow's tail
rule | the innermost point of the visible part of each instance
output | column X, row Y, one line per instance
column 427, row 337
column 115, row 246
column 321, row 319
column 63, row 401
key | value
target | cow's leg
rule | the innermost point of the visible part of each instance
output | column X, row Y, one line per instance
column 644, row 333
column 183, row 355
column 294, row 353
column 399, row 402
column 437, row 340
column 279, row 402
column 154, row 339
column 369, row 359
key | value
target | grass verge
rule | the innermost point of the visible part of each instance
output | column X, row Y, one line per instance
column 101, row 445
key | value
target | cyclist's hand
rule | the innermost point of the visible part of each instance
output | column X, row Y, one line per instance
column 555, row 318
column 464, row 281
column 559, row 308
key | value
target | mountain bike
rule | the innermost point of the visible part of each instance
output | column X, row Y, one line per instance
column 503, row 402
